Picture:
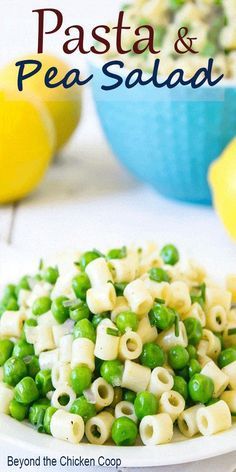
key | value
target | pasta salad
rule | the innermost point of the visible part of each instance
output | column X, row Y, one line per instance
column 212, row 22
column 118, row 347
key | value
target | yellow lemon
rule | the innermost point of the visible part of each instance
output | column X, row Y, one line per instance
column 222, row 178
column 27, row 140
column 64, row 105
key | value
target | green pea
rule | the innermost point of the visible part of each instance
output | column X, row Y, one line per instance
column 152, row 355
column 29, row 322
column 47, row 418
column 80, row 285
column 170, row 254
column 37, row 412
column 129, row 395
column 181, row 386
column 194, row 330
column 23, row 349
column 178, row 357
column 126, row 319
column 17, row 410
column 112, row 372
column 82, row 407
column 201, row 388
column 80, row 312
column 26, row 391
column 43, row 381
column 124, row 431
column 161, row 316
column 80, row 378
column 88, row 257
column 194, row 367
column 118, row 253
column 23, row 284
column 60, row 312
column 12, row 305
column 192, row 351
column 96, row 319
column 84, row 329
column 6, row 348
column 158, row 275
column 50, row 275
column 32, row 364
column 226, row 357
column 41, row 305
column 145, row 404
column 9, row 292
column 14, row 370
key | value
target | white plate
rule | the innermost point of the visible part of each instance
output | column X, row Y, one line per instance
column 179, row 451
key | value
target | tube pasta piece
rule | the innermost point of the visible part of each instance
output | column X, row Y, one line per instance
column 123, row 270
column 83, row 353
column 216, row 319
column 138, row 297
column 168, row 339
column 63, row 285
column 59, row 331
column 173, row 403
column 67, row 426
column 65, row 348
column 130, row 346
column 197, row 312
column 229, row 397
column 212, row 344
column 158, row 290
column 23, row 297
column 228, row 37
column 187, row 421
column 160, row 381
column 214, row 418
column 135, row 377
column 203, row 360
column 156, row 429
column 63, row 390
column 218, row 296
column 146, row 332
column 98, row 272
column 107, row 345
column 44, row 340
column 60, row 374
column 219, row 378
column 232, row 316
column 6, row 396
column 230, row 371
column 121, row 305
column 102, row 298
column 41, row 289
column 231, row 286
column 47, row 319
column 11, row 323
column 103, row 393
column 179, row 297
column 48, row 359
column 31, row 334
column 98, row 428
column 124, row 408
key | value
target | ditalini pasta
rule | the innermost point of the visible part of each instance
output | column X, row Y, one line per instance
column 129, row 343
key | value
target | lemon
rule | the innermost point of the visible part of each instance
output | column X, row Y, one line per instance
column 222, row 179
column 27, row 141
column 64, row 105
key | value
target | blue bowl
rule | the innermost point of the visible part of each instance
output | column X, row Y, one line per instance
column 167, row 138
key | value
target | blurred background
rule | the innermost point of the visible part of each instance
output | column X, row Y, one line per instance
column 132, row 169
